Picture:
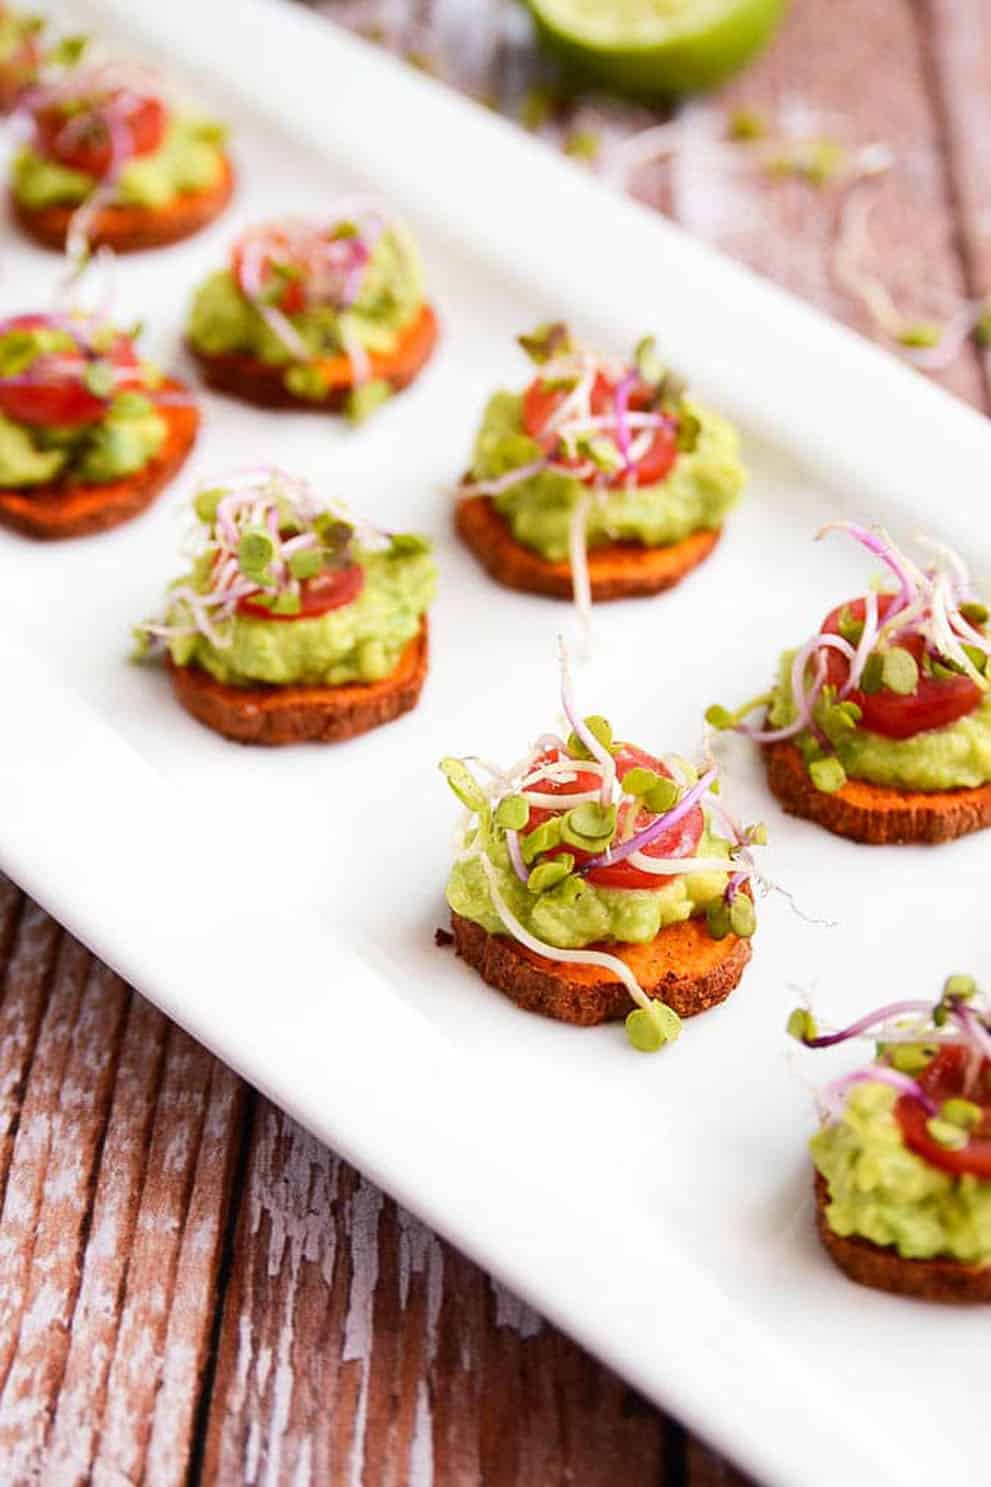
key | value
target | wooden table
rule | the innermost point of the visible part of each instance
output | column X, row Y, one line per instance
column 191, row 1287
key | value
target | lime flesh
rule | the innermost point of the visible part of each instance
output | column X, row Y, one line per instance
column 656, row 48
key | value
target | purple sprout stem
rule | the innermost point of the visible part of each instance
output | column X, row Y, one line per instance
column 650, row 833
column 872, row 1019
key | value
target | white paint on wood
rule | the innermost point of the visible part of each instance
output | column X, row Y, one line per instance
column 513, row 1313
column 421, row 1453
column 362, row 1224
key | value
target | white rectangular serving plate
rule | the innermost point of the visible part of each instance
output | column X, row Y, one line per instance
column 281, row 905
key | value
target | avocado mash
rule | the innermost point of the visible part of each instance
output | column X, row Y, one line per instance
column 122, row 443
column 702, row 487
column 883, row 1192
column 629, row 916
column 951, row 758
column 223, row 319
column 189, row 160
column 358, row 642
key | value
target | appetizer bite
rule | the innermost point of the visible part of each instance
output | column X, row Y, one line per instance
column 296, row 622
column 594, row 878
column 602, row 479
column 110, row 161
column 328, row 315
column 89, row 433
column 903, row 1157
column 879, row 726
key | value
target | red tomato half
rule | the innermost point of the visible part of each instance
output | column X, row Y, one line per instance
column 82, row 139
column 942, row 1080
column 330, row 590
column 680, row 841
column 61, row 400
column 541, row 401
column 292, row 298
column 936, row 702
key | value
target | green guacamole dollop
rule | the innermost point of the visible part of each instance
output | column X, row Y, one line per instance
column 883, row 1192
column 122, row 443
column 627, row 916
column 223, row 320
column 359, row 642
column 704, row 484
column 189, row 160
column 954, row 758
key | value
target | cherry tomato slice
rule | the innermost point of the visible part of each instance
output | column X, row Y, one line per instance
column 330, row 590
column 292, row 298
column 62, row 400
column 680, row 841
column 540, row 402
column 936, row 702
column 943, row 1079
column 82, row 140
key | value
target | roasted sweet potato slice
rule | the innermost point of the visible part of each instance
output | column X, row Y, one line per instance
column 253, row 381
column 877, row 814
column 131, row 229
column 300, row 714
column 940, row 1279
column 683, row 967
column 64, row 509
column 617, row 570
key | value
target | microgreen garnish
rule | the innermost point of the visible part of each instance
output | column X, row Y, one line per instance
column 909, row 1034
column 584, row 144
column 260, row 538
column 932, row 609
column 610, row 418
column 546, row 342
column 67, row 51
column 746, row 124
column 290, row 265
column 568, row 808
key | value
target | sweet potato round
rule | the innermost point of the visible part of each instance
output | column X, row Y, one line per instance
column 883, row 1269
column 64, row 509
column 273, row 715
column 617, row 570
column 683, row 967
column 243, row 376
column 876, row 814
column 130, row 229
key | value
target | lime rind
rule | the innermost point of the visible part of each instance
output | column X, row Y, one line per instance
column 656, row 48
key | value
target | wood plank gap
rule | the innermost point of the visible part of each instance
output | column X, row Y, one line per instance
column 13, row 904
column 674, row 1461
column 239, row 1187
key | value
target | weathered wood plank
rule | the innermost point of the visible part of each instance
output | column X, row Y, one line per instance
column 355, row 1346
column 786, row 229
column 169, row 1201
column 62, row 1125
column 117, row 1138
column 32, row 938
column 82, row 1398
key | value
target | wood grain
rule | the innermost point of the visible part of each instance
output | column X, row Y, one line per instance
column 435, row 1372
column 191, row 1287
column 117, row 1138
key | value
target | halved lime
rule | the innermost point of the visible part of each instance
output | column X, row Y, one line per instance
column 654, row 48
